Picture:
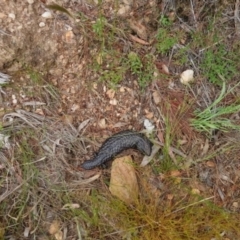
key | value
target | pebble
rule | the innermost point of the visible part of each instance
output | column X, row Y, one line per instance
column 102, row 123
column 123, row 10
column 47, row 15
column 12, row 16
column 122, row 89
column 187, row 76
column 41, row 24
column 30, row 1
column 113, row 101
column 235, row 204
column 14, row 99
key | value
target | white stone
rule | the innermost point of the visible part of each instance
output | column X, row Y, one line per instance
column 148, row 125
column 30, row 1
column 102, row 123
column 12, row 16
column 41, row 24
column 47, row 15
column 123, row 10
column 186, row 76
column 113, row 102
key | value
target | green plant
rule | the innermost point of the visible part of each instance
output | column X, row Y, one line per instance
column 98, row 26
column 113, row 77
column 213, row 117
column 148, row 69
column 135, row 63
column 165, row 40
column 218, row 61
column 165, row 21
column 143, row 69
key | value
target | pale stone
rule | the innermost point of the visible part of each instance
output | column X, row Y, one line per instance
column 186, row 76
column 41, row 24
column 47, row 15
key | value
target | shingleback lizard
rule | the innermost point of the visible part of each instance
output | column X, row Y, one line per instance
column 117, row 143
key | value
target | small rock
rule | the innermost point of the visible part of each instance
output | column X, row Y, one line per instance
column 41, row 24
column 12, row 16
column 122, row 89
column 235, row 204
column 123, row 10
column 14, row 99
column 187, row 77
column 195, row 191
column 102, row 123
column 30, row 1
column 148, row 125
column 47, row 15
column 74, row 107
column 113, row 101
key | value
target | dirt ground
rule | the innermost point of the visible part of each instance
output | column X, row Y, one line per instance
column 60, row 105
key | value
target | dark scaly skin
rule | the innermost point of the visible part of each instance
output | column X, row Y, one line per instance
column 118, row 143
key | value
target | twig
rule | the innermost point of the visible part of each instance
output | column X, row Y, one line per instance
column 171, row 148
column 237, row 18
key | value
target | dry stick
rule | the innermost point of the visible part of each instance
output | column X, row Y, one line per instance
column 5, row 195
column 171, row 148
column 193, row 13
column 237, row 18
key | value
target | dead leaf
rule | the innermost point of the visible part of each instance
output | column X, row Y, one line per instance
column 210, row 164
column 138, row 40
column 99, row 59
column 170, row 196
column 140, row 29
column 149, row 115
column 58, row 235
column 83, row 124
column 68, row 119
column 162, row 68
column 156, row 97
column 69, row 35
column 160, row 136
column 123, row 182
column 54, row 227
column 205, row 148
column 175, row 173
column 110, row 93
column 68, row 206
column 195, row 191
column 147, row 159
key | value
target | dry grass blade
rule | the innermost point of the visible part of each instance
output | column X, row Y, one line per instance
column 237, row 18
